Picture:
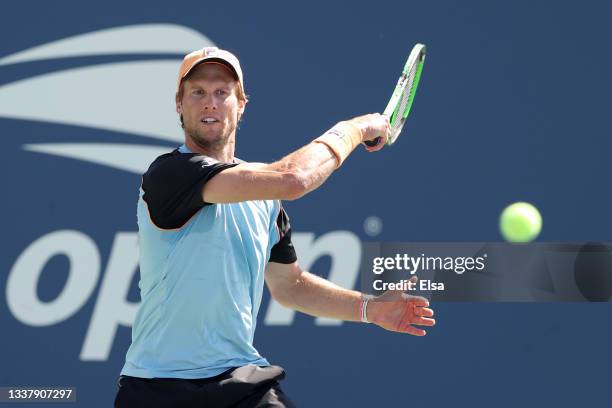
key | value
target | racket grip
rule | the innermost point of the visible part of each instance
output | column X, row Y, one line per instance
column 373, row 142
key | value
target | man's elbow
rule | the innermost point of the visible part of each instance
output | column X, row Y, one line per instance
column 283, row 297
column 296, row 185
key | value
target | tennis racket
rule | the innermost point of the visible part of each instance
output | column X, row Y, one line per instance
column 400, row 103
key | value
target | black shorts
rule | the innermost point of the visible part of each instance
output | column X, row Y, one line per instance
column 244, row 387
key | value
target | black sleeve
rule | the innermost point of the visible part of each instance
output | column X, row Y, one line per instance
column 173, row 186
column 283, row 252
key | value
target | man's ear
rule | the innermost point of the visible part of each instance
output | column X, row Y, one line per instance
column 179, row 105
column 241, row 106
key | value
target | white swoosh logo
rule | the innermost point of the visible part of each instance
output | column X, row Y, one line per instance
column 134, row 39
column 130, row 97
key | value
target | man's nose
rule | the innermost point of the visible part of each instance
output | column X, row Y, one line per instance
column 210, row 102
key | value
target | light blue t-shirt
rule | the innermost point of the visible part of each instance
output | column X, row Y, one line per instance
column 201, row 282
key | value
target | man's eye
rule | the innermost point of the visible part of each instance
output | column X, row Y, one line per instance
column 222, row 92
column 197, row 92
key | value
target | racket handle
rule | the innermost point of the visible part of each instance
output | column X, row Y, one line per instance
column 373, row 142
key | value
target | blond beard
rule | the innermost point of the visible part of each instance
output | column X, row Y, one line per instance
column 207, row 144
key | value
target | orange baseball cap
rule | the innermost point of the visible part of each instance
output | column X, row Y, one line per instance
column 210, row 54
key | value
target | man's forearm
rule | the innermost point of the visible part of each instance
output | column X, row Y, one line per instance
column 314, row 162
column 316, row 296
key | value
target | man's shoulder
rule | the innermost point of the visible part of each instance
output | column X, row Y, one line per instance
column 175, row 163
column 169, row 167
column 162, row 160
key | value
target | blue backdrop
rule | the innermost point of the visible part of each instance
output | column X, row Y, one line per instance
column 513, row 106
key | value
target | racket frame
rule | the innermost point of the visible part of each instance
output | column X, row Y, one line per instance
column 417, row 56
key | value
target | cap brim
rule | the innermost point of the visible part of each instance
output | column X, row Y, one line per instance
column 216, row 60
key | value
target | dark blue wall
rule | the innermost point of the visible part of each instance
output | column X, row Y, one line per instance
column 514, row 105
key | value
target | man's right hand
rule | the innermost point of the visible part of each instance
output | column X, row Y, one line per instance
column 373, row 125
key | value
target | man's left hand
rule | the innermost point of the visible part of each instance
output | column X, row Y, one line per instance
column 397, row 311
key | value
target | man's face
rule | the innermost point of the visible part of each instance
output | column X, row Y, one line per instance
column 210, row 105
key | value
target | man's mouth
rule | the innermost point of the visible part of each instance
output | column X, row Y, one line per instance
column 209, row 120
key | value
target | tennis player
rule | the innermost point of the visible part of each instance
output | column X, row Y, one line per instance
column 212, row 229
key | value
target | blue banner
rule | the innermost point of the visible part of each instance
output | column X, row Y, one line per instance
column 513, row 105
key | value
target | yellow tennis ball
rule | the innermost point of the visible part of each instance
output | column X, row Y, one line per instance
column 520, row 222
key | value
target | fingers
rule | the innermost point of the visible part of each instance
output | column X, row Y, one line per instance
column 383, row 131
column 374, row 126
column 417, row 301
column 424, row 321
column 423, row 312
column 381, row 143
column 414, row 331
column 417, row 317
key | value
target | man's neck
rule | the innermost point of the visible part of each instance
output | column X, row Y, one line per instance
column 224, row 154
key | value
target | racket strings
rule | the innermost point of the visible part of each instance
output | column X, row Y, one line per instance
column 400, row 114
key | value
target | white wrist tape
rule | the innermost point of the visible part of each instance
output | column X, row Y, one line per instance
column 363, row 307
column 341, row 140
